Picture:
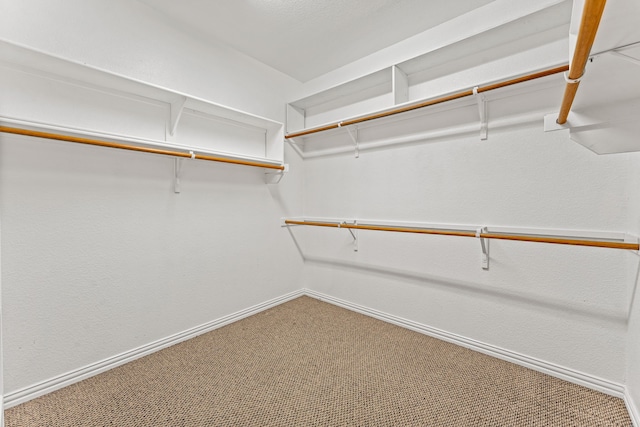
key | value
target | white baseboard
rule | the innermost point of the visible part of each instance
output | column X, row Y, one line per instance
column 592, row 382
column 573, row 376
column 632, row 408
column 56, row 383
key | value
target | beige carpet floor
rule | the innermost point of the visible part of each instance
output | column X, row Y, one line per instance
column 309, row 363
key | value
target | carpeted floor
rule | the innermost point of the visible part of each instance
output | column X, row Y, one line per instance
column 309, row 363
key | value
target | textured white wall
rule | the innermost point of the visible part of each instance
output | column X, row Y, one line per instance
column 568, row 306
column 99, row 256
column 565, row 305
column 633, row 356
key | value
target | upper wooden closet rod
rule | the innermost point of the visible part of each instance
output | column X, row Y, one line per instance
column 502, row 236
column 172, row 153
column 429, row 102
column 591, row 15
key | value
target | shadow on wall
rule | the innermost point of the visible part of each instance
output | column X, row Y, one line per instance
column 618, row 318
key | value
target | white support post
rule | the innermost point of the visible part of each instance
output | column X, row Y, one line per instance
column 482, row 111
column 400, row 86
column 176, row 107
column 484, row 244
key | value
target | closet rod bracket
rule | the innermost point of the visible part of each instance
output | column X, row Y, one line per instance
column 274, row 177
column 177, row 170
column 354, row 234
column 354, row 138
column 482, row 111
column 484, row 244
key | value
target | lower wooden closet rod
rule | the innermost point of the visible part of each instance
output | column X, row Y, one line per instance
column 172, row 153
column 518, row 237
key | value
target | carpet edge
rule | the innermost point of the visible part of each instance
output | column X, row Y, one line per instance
column 47, row 386
column 557, row 371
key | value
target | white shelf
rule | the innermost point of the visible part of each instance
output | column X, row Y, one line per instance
column 495, row 53
column 42, row 89
column 603, row 117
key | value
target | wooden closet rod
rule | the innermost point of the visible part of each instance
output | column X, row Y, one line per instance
column 430, row 102
column 518, row 237
column 589, row 22
column 99, row 143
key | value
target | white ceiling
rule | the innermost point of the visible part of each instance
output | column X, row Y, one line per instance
column 307, row 38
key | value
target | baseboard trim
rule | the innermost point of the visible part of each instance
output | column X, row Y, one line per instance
column 632, row 408
column 56, row 383
column 573, row 376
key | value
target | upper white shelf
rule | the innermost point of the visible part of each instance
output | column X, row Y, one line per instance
column 494, row 50
column 483, row 51
column 93, row 100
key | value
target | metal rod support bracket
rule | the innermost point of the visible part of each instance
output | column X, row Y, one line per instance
column 354, row 234
column 482, row 111
column 570, row 80
column 484, row 243
column 177, row 169
column 354, row 138
column 274, row 177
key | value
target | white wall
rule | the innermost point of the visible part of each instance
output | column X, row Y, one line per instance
column 566, row 306
column 633, row 355
column 99, row 255
column 563, row 305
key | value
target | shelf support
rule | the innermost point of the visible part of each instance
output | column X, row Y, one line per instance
column 484, row 244
column 400, row 86
column 354, row 138
column 576, row 122
column 482, row 111
column 295, row 118
column 275, row 176
column 176, row 107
